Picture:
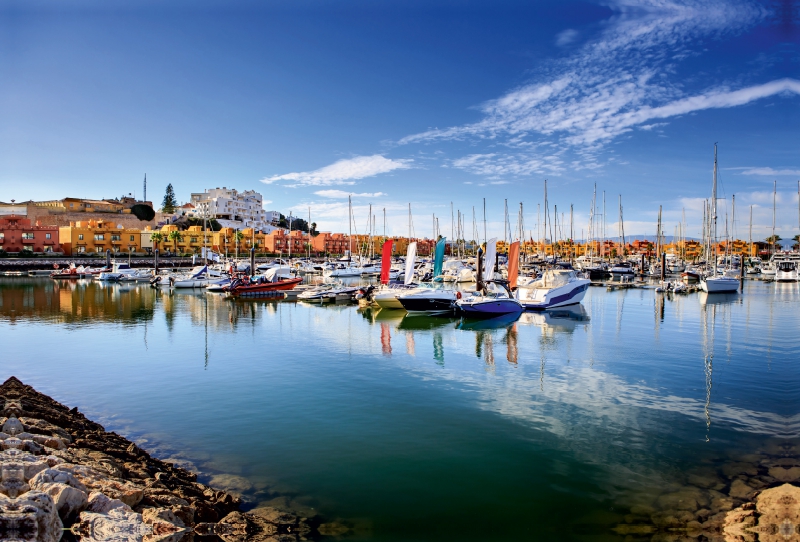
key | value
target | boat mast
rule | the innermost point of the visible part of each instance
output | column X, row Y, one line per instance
column 774, row 193
column 485, row 238
column 350, row 227
column 750, row 236
column 290, row 236
column 714, row 213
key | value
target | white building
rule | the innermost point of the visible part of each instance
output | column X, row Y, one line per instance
column 231, row 208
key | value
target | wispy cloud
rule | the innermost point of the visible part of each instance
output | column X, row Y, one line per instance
column 341, row 194
column 767, row 171
column 565, row 37
column 342, row 172
column 620, row 81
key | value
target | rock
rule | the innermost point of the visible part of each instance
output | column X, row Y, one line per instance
column 705, row 481
column 13, row 426
column 118, row 525
column 101, row 504
column 785, row 474
column 686, row 499
column 231, row 483
column 32, row 511
column 338, row 529
column 274, row 515
column 734, row 469
column 739, row 490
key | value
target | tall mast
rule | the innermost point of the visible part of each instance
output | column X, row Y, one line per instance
column 350, row 226
column 750, row 236
column 485, row 238
column 774, row 193
column 290, row 236
column 604, row 223
column 714, row 212
column 505, row 221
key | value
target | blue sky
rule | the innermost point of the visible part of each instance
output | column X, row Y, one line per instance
column 402, row 102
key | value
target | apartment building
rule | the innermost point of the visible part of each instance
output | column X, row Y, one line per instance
column 231, row 208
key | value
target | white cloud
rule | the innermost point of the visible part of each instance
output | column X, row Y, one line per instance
column 499, row 182
column 343, row 172
column 615, row 83
column 565, row 37
column 768, row 171
column 341, row 194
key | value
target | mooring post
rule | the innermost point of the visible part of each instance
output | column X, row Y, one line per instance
column 108, row 257
column 252, row 261
column 663, row 266
column 155, row 260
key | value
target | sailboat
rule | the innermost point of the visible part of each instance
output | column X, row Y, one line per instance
column 386, row 297
column 717, row 283
column 493, row 298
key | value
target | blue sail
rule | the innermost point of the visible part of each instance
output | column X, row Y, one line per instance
column 437, row 262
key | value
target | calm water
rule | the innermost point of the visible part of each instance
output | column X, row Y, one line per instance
column 415, row 428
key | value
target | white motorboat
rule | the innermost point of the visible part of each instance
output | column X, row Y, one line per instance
column 429, row 300
column 219, row 285
column 622, row 269
column 786, row 269
column 556, row 288
column 719, row 284
column 198, row 277
column 118, row 272
column 386, row 297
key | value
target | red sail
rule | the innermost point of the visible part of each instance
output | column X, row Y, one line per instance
column 513, row 264
column 386, row 261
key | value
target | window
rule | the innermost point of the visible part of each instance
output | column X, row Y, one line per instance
column 193, row 240
column 47, row 236
column 132, row 237
column 27, row 247
column 27, row 235
column 116, row 237
column 48, row 249
column 71, row 204
column 99, row 236
column 81, row 250
column 80, row 237
column 2, row 235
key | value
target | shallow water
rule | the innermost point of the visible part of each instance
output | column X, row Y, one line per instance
column 416, row 428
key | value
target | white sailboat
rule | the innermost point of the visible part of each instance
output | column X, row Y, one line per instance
column 724, row 283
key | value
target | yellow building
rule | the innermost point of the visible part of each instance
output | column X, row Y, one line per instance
column 95, row 237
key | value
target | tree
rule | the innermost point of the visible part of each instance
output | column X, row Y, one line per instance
column 169, row 203
column 314, row 231
column 773, row 240
column 156, row 238
column 796, row 240
column 175, row 236
column 238, row 236
column 143, row 212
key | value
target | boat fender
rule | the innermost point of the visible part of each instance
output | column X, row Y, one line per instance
column 458, row 295
column 55, row 266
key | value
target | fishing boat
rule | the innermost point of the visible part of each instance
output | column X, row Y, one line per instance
column 556, row 288
column 727, row 282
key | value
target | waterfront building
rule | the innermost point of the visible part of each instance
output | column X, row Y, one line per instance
column 231, row 208
column 18, row 234
column 81, row 205
column 95, row 237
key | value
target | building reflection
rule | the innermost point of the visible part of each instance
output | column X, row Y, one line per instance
column 82, row 301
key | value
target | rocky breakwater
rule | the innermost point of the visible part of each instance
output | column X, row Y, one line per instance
column 60, row 472
column 754, row 498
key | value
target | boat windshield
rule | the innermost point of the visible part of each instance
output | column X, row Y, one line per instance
column 552, row 278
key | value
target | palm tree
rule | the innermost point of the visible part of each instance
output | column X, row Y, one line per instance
column 238, row 236
column 175, row 236
column 796, row 240
column 156, row 238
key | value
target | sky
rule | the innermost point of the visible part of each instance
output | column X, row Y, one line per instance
column 436, row 104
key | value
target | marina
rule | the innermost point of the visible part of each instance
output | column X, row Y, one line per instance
column 594, row 414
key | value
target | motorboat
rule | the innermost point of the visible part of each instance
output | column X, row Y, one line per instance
column 555, row 288
column 117, row 273
column 726, row 283
column 786, row 270
column 429, row 300
column 199, row 277
column 691, row 275
column 260, row 285
column 386, row 297
column 489, row 303
column 622, row 269
column 219, row 285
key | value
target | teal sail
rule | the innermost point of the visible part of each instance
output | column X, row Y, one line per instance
column 437, row 262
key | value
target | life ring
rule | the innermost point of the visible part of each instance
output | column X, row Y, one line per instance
column 458, row 295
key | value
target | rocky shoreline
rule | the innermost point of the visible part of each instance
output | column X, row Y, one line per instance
column 61, row 471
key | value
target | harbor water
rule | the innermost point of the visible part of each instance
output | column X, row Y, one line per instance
column 552, row 426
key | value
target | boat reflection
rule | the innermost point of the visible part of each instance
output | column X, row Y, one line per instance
column 499, row 322
column 720, row 299
column 565, row 319
column 421, row 322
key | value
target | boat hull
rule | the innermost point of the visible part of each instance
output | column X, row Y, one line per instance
column 719, row 285
column 431, row 305
column 248, row 290
column 569, row 294
column 489, row 308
